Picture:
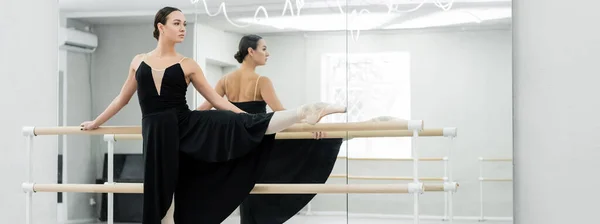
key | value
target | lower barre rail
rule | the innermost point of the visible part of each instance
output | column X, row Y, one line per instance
column 137, row 188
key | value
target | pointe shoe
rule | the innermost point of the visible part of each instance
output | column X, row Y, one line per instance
column 312, row 113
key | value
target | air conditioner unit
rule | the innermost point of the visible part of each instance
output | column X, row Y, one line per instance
column 77, row 41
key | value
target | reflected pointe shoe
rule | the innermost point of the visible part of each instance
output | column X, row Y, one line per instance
column 312, row 113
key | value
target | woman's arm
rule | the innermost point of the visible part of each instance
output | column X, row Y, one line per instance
column 206, row 105
column 127, row 91
column 199, row 81
column 267, row 92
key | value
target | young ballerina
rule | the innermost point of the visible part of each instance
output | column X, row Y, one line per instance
column 206, row 162
column 245, row 88
column 292, row 160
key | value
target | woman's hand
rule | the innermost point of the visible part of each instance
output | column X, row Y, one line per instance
column 319, row 135
column 89, row 125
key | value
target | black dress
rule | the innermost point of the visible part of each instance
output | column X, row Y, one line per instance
column 210, row 160
column 291, row 161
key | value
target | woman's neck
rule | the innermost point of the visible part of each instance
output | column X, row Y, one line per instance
column 248, row 66
column 164, row 48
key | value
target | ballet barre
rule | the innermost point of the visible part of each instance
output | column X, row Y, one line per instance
column 137, row 188
column 416, row 126
column 111, row 139
column 482, row 179
column 300, row 127
column 445, row 132
column 447, row 193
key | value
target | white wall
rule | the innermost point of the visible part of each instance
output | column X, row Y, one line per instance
column 458, row 79
column 79, row 164
column 215, row 48
column 216, row 45
column 29, row 65
column 81, row 161
column 556, row 111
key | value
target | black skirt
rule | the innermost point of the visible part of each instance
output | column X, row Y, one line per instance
column 291, row 161
column 209, row 161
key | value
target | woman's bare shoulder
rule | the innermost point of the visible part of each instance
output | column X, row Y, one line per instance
column 189, row 65
column 136, row 61
column 263, row 80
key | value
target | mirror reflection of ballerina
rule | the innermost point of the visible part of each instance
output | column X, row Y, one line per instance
column 209, row 161
column 291, row 160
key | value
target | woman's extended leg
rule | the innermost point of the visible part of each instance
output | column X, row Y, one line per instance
column 308, row 113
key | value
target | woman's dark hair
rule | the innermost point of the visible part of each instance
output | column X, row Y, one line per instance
column 246, row 42
column 161, row 17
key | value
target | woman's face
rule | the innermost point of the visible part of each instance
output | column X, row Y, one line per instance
column 174, row 29
column 260, row 55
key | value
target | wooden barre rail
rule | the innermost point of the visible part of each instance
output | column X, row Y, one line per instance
column 363, row 134
column 495, row 159
column 495, row 179
column 385, row 178
column 392, row 159
column 301, row 127
column 258, row 189
column 336, row 134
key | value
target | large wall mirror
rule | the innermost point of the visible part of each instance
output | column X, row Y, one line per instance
column 446, row 62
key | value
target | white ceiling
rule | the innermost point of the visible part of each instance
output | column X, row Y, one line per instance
column 142, row 11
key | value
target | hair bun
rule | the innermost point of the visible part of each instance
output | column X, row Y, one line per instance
column 238, row 57
column 247, row 42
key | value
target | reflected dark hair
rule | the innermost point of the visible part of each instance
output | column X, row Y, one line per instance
column 247, row 41
column 161, row 17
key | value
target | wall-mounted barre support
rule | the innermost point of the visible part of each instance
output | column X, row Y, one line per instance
column 482, row 179
column 110, row 177
column 28, row 133
column 415, row 156
column 448, row 202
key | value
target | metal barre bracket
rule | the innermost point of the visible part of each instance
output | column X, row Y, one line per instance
column 449, row 132
column 109, row 137
column 27, row 187
column 450, row 187
column 415, row 125
column 28, row 131
column 416, row 188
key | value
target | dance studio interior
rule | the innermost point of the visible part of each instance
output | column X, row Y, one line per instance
column 450, row 111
